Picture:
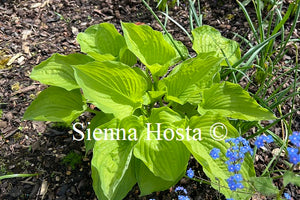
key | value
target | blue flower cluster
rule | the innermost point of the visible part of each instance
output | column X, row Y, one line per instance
column 294, row 152
column 235, row 153
column 234, row 182
column 261, row 139
column 180, row 196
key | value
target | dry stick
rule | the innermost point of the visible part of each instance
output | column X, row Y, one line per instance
column 25, row 89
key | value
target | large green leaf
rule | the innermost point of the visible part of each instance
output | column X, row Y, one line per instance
column 127, row 57
column 165, row 157
column 113, row 168
column 208, row 39
column 217, row 170
column 148, row 182
column 101, row 38
column 112, row 86
column 112, row 172
column 57, row 70
column 56, row 104
column 100, row 120
column 181, row 47
column 149, row 46
column 190, row 77
column 230, row 100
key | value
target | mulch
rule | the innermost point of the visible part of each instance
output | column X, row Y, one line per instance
column 30, row 32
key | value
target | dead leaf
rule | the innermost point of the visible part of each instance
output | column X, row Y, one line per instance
column 13, row 59
column 25, row 34
column 25, row 47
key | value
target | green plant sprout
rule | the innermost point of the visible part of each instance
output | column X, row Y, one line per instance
column 72, row 159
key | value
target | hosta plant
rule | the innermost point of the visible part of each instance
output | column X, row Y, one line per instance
column 147, row 123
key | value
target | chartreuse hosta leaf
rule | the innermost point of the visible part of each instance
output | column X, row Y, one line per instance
column 150, row 47
column 217, row 170
column 112, row 86
column 230, row 100
column 183, row 50
column 165, row 159
column 190, row 77
column 104, row 42
column 101, row 38
column 112, row 164
column 207, row 39
column 100, row 120
column 148, row 182
column 57, row 105
column 57, row 70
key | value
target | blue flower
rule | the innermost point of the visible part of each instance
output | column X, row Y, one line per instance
column 230, row 199
column 182, row 197
column 234, row 182
column 292, row 150
column 287, row 196
column 238, row 177
column 190, row 173
column 261, row 139
column 269, row 139
column 180, row 188
column 294, row 158
column 295, row 138
column 259, row 142
column 231, row 168
column 237, row 167
column 214, row 153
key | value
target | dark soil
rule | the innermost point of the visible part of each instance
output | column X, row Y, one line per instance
column 32, row 31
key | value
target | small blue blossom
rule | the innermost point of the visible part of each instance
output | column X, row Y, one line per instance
column 190, row 173
column 295, row 138
column 292, row 150
column 231, row 168
column 234, row 182
column 237, row 167
column 180, row 188
column 287, row 196
column 238, row 177
column 183, row 197
column 269, row 139
column 294, row 158
column 214, row 153
column 230, row 199
column 259, row 142
column 261, row 139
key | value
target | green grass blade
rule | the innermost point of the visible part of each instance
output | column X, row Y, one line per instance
column 17, row 176
column 181, row 27
column 249, row 20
